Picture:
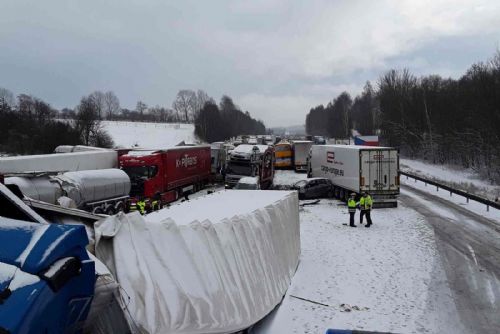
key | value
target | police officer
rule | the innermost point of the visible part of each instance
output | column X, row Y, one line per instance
column 365, row 204
column 141, row 205
column 351, row 206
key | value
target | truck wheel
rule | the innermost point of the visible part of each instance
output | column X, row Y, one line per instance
column 119, row 207
column 97, row 210
column 110, row 210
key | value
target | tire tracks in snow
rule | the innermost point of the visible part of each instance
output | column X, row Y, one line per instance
column 469, row 245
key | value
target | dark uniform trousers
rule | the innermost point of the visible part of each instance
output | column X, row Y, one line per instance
column 368, row 217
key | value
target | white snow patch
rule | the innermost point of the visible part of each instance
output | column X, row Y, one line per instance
column 149, row 135
column 287, row 177
column 22, row 279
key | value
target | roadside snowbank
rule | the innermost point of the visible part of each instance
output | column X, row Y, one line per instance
column 462, row 179
column 216, row 264
column 149, row 135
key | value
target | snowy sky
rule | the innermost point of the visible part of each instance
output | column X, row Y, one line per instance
column 276, row 58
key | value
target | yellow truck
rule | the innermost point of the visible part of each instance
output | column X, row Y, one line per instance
column 283, row 153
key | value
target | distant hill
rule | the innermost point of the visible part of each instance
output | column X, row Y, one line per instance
column 290, row 130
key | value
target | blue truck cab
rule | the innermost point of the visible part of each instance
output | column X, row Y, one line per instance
column 46, row 276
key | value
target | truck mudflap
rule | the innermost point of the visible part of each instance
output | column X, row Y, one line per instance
column 46, row 277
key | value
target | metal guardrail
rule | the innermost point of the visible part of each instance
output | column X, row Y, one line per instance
column 465, row 194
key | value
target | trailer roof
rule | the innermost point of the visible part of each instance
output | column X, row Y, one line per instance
column 362, row 147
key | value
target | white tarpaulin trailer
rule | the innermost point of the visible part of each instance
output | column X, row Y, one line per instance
column 215, row 264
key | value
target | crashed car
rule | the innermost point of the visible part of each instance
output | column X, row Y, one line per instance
column 317, row 187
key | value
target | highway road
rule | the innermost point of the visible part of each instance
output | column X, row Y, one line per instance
column 469, row 245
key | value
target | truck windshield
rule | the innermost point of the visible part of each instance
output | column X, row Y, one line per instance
column 239, row 169
column 140, row 172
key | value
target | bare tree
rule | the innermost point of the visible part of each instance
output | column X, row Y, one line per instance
column 6, row 97
column 185, row 104
column 99, row 98
column 111, row 104
column 200, row 100
column 87, row 119
column 141, row 107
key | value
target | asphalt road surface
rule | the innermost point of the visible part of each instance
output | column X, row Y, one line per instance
column 469, row 245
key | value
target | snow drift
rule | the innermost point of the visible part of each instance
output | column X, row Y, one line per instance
column 216, row 264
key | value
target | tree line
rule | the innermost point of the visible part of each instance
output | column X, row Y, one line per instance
column 442, row 120
column 218, row 123
column 29, row 125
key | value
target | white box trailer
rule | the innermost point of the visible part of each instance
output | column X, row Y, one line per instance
column 357, row 169
column 301, row 150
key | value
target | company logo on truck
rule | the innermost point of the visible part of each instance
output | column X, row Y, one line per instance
column 186, row 161
column 330, row 156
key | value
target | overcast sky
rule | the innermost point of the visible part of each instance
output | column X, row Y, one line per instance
column 275, row 58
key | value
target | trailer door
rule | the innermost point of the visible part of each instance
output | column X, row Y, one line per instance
column 377, row 170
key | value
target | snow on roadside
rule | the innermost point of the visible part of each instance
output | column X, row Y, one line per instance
column 149, row 135
column 478, row 208
column 391, row 271
column 463, row 179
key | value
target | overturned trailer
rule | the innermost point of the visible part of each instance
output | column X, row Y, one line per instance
column 216, row 264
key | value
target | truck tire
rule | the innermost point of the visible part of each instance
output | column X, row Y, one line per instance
column 120, row 206
column 110, row 210
column 97, row 210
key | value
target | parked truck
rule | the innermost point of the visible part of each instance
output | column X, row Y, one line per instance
column 301, row 150
column 165, row 175
column 97, row 191
column 358, row 169
column 250, row 160
column 283, row 152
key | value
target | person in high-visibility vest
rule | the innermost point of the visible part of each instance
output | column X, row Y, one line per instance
column 365, row 204
column 141, row 206
column 351, row 206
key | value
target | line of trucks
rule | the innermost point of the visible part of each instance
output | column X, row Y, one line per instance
column 104, row 181
column 108, row 181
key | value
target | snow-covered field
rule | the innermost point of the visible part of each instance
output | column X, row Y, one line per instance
column 463, row 179
column 149, row 135
column 390, row 272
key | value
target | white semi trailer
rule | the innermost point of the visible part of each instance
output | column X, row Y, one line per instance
column 301, row 150
column 358, row 169
column 59, row 162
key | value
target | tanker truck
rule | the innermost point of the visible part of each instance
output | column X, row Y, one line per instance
column 97, row 191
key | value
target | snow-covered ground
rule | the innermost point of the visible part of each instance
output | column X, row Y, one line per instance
column 287, row 177
column 149, row 135
column 463, row 179
column 390, row 272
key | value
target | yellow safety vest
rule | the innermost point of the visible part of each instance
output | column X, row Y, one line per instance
column 366, row 202
column 351, row 204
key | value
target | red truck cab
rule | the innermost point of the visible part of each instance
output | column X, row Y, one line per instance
column 167, row 174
